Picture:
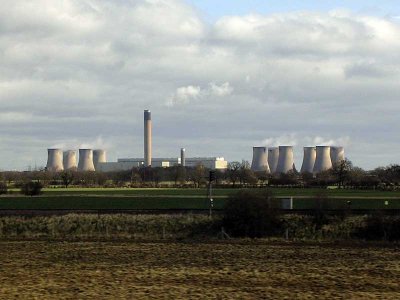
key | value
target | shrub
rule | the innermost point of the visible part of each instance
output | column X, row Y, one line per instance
column 251, row 214
column 3, row 188
column 32, row 188
column 380, row 227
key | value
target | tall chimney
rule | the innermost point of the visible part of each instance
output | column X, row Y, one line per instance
column 183, row 158
column 147, row 138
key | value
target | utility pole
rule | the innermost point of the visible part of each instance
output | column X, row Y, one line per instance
column 211, row 178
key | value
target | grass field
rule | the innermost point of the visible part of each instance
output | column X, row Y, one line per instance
column 87, row 202
column 188, row 199
column 295, row 192
column 213, row 270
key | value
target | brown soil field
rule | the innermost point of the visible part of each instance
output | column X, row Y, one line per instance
column 207, row 270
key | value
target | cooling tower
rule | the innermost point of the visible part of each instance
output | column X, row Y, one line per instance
column 99, row 156
column 260, row 160
column 273, row 157
column 183, row 157
column 69, row 159
column 322, row 159
column 308, row 160
column 86, row 160
column 54, row 160
column 147, row 138
column 285, row 161
column 337, row 154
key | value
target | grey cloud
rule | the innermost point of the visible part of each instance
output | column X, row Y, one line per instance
column 73, row 71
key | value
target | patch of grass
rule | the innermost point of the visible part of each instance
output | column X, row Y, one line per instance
column 107, row 202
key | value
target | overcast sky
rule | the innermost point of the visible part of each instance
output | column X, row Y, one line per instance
column 218, row 79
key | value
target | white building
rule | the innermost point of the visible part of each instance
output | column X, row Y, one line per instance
column 124, row 164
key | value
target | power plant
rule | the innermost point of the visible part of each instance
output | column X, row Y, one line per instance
column 69, row 160
column 260, row 160
column 95, row 160
column 276, row 160
column 86, row 160
column 322, row 159
column 273, row 157
column 308, row 160
column 286, row 159
column 54, row 160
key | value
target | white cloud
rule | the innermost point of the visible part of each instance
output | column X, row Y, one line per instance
column 186, row 94
column 74, row 70
column 224, row 89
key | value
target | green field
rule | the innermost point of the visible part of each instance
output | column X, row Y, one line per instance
column 189, row 199
column 295, row 192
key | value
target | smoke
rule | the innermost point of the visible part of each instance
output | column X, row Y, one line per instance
column 293, row 139
column 187, row 94
column 318, row 140
column 97, row 143
column 288, row 140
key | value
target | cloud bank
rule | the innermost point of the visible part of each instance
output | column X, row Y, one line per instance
column 76, row 70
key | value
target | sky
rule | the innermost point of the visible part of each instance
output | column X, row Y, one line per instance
column 218, row 76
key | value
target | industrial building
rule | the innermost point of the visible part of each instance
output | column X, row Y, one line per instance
column 129, row 163
column 281, row 159
column 285, row 160
column 69, row 160
column 54, row 160
column 323, row 159
column 95, row 160
column 308, row 160
column 273, row 157
column 260, row 160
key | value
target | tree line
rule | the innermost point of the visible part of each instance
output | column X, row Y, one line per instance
column 238, row 174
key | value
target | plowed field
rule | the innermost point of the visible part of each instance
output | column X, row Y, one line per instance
column 215, row 270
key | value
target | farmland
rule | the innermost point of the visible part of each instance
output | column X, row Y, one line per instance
column 226, row 270
column 187, row 199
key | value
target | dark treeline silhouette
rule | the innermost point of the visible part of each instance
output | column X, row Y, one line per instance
column 237, row 175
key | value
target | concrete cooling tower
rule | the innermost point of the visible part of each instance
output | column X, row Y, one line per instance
column 147, row 138
column 323, row 159
column 85, row 160
column 337, row 155
column 285, row 161
column 54, row 160
column 69, row 160
column 273, row 157
column 308, row 160
column 99, row 156
column 260, row 160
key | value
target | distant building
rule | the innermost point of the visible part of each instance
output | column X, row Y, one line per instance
column 129, row 163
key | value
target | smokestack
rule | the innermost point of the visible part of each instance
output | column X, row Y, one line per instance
column 183, row 157
column 86, row 160
column 323, row 159
column 260, row 160
column 147, row 138
column 285, row 161
column 337, row 155
column 99, row 156
column 273, row 157
column 308, row 160
column 54, row 160
column 69, row 159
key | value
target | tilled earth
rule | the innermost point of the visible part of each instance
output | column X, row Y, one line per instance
column 214, row 270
